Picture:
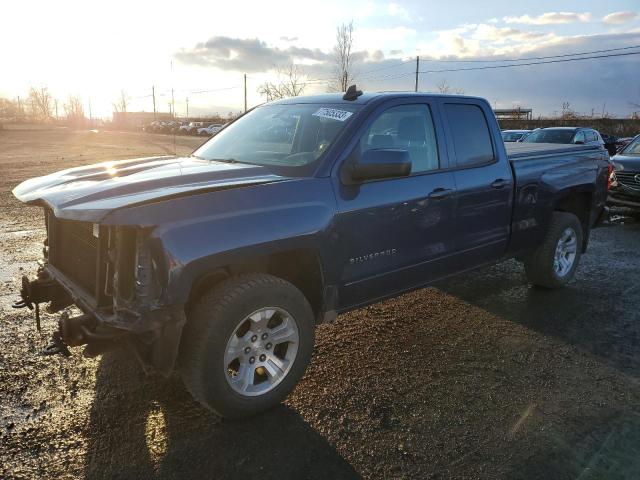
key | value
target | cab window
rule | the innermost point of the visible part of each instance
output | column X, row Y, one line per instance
column 406, row 127
column 471, row 135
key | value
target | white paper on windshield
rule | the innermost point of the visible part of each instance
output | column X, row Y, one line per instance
column 333, row 114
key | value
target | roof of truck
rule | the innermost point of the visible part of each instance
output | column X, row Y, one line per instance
column 366, row 97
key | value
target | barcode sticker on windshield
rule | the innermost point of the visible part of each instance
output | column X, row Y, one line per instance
column 333, row 114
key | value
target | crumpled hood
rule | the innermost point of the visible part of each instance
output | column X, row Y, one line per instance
column 90, row 192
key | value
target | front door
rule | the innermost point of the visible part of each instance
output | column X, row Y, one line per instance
column 394, row 234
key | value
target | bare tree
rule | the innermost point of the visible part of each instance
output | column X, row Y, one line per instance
column 40, row 103
column 343, row 57
column 9, row 109
column 74, row 110
column 122, row 103
column 567, row 112
column 444, row 87
column 290, row 84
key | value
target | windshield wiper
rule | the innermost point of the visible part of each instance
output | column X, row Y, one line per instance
column 196, row 156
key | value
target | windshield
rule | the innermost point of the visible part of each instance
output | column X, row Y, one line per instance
column 550, row 136
column 633, row 148
column 279, row 135
column 511, row 136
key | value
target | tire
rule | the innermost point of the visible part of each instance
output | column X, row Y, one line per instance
column 216, row 331
column 541, row 267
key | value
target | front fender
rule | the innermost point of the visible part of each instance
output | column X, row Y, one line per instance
column 196, row 235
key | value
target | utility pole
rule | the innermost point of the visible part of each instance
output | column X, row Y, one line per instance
column 245, row 93
column 187, row 107
column 417, row 70
column 19, row 108
column 55, row 102
column 173, row 103
column 90, row 116
column 153, row 94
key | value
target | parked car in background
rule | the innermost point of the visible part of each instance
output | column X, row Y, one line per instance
column 175, row 129
column 566, row 135
column 514, row 135
column 625, row 179
column 623, row 142
column 191, row 128
column 151, row 127
column 210, row 130
column 169, row 126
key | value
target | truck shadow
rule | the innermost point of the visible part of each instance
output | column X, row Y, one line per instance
column 598, row 312
column 149, row 427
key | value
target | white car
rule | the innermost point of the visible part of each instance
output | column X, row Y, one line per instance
column 210, row 130
column 191, row 128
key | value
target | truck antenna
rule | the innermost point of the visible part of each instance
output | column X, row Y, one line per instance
column 352, row 93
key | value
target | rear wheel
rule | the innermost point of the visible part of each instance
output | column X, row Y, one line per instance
column 554, row 263
column 246, row 344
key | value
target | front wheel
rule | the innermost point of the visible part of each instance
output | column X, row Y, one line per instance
column 554, row 263
column 246, row 344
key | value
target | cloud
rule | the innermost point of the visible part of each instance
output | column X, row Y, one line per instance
column 289, row 39
column 550, row 18
column 396, row 10
column 620, row 17
column 246, row 55
column 484, row 39
column 498, row 34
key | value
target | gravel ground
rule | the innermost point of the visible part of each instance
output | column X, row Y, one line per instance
column 479, row 377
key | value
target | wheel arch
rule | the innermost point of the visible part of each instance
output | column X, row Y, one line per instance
column 579, row 203
column 302, row 267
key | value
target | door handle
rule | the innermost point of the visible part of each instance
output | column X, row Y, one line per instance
column 499, row 183
column 440, row 193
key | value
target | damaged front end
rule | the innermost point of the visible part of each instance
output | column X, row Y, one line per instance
column 113, row 276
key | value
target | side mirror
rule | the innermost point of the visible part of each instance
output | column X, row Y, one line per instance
column 377, row 164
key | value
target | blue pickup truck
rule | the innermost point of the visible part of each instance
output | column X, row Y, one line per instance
column 220, row 264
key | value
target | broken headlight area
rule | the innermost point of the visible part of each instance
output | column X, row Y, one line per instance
column 111, row 274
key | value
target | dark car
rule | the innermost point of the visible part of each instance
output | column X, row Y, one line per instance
column 220, row 264
column 625, row 180
column 566, row 135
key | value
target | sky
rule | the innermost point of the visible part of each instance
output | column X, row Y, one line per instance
column 203, row 49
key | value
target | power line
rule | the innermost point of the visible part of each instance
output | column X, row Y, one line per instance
column 492, row 67
column 488, row 67
column 529, row 58
column 366, row 73
column 213, row 90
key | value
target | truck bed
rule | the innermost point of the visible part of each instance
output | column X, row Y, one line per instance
column 517, row 150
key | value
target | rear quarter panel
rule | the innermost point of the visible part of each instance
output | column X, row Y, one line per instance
column 543, row 181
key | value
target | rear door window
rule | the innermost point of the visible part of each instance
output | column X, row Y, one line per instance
column 470, row 134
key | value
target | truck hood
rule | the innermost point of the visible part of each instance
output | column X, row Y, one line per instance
column 89, row 193
column 629, row 163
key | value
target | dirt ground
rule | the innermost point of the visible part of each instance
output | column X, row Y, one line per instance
column 480, row 377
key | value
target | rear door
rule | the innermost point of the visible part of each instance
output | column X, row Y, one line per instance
column 484, row 182
column 393, row 234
